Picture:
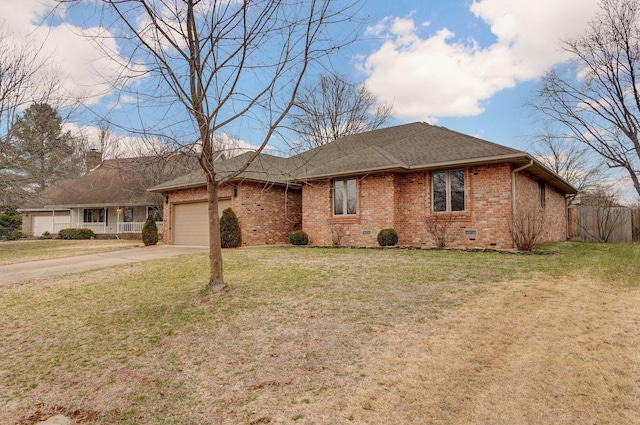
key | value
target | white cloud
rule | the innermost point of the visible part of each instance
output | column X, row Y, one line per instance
column 85, row 72
column 437, row 76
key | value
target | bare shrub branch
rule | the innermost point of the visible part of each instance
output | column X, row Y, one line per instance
column 440, row 230
column 528, row 227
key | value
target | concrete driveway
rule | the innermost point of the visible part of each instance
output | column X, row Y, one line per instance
column 13, row 273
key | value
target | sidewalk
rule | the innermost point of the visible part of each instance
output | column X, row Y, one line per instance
column 13, row 273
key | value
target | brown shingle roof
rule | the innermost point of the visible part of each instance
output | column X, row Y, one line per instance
column 265, row 168
column 117, row 182
column 402, row 148
column 409, row 146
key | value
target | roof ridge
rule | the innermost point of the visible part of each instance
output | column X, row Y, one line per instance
column 488, row 142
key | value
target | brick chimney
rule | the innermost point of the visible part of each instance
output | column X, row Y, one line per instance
column 92, row 159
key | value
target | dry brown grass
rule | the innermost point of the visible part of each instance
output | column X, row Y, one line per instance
column 13, row 252
column 311, row 336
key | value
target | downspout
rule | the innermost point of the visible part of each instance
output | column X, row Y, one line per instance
column 513, row 195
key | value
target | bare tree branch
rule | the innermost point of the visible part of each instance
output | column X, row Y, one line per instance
column 335, row 107
column 600, row 105
column 222, row 64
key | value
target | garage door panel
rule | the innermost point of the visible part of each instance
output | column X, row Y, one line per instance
column 44, row 223
column 190, row 222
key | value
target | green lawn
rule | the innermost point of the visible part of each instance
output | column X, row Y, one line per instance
column 144, row 344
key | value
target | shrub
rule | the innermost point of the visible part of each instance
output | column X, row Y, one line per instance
column 76, row 233
column 298, row 238
column 528, row 228
column 13, row 236
column 337, row 233
column 9, row 223
column 150, row 231
column 387, row 237
column 441, row 230
column 230, row 236
column 45, row 235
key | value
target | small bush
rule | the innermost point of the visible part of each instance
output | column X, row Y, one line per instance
column 150, row 231
column 76, row 234
column 13, row 236
column 387, row 237
column 230, row 236
column 45, row 235
column 9, row 224
column 298, row 238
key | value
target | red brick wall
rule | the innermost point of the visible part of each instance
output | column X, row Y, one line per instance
column 403, row 201
column 267, row 213
column 554, row 212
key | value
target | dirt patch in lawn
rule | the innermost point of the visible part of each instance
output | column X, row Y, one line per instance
column 560, row 352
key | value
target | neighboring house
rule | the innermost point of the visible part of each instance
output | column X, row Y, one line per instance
column 110, row 198
column 419, row 179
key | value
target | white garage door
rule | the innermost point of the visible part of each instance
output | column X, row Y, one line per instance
column 44, row 223
column 190, row 222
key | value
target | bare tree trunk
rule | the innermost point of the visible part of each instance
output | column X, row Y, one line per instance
column 228, row 64
column 216, row 280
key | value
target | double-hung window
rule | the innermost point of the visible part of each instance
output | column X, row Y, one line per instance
column 344, row 197
column 448, row 190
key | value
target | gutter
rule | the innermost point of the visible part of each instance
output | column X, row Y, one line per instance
column 513, row 194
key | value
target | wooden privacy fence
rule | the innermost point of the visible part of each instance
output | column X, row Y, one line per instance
column 604, row 224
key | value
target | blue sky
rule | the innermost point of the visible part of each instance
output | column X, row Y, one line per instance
column 467, row 65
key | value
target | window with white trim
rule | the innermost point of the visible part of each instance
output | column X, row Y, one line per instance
column 447, row 188
column 344, row 197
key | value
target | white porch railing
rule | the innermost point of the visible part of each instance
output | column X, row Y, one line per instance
column 129, row 227
column 95, row 227
column 59, row 226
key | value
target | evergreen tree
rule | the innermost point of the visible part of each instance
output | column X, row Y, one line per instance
column 230, row 236
column 150, row 231
column 44, row 152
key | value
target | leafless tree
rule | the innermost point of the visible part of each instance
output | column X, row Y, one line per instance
column 570, row 159
column 599, row 102
column 21, row 84
column 600, row 215
column 333, row 107
column 222, row 63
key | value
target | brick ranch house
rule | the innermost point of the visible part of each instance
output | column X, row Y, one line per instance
column 110, row 198
column 414, row 178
